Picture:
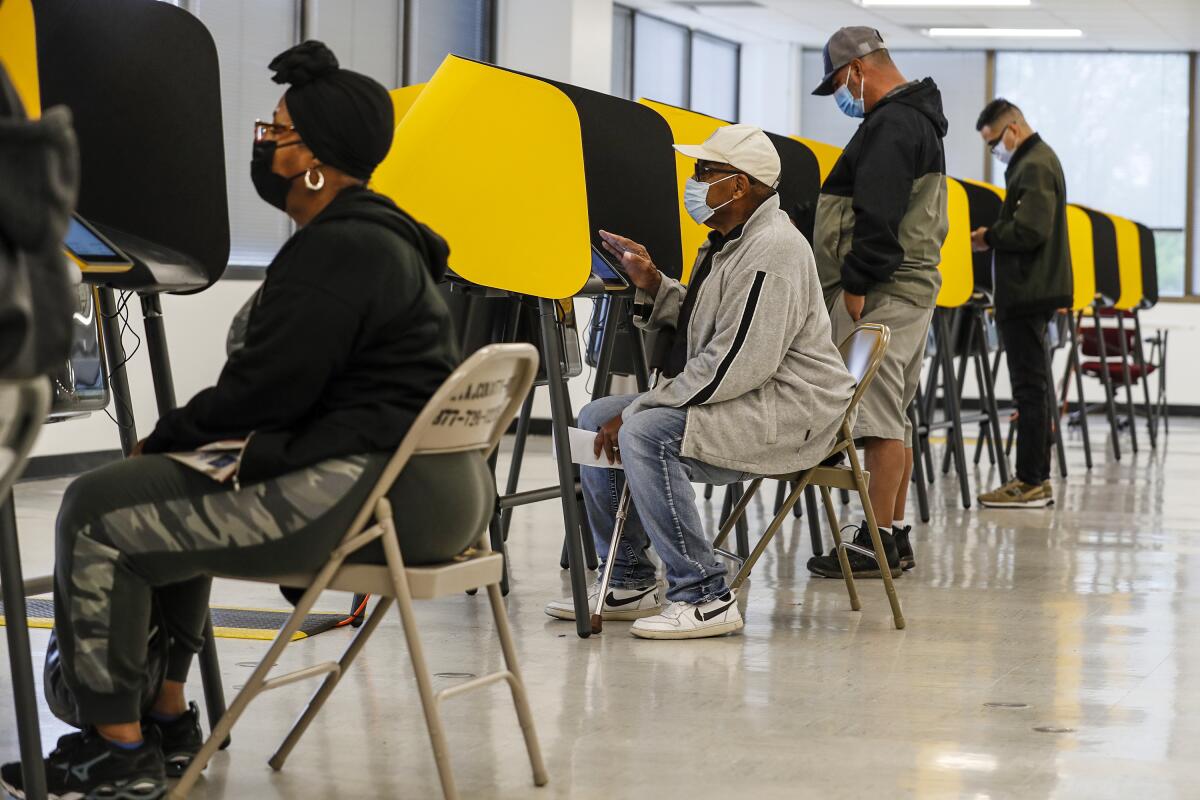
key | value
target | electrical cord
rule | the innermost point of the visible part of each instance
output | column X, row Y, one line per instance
column 122, row 313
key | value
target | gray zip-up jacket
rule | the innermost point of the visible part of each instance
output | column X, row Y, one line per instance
column 764, row 386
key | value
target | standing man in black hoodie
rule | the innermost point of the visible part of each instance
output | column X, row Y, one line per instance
column 1031, row 276
column 881, row 221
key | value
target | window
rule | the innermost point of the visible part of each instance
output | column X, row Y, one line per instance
column 663, row 61
column 1123, row 142
column 364, row 34
column 660, row 60
column 714, row 76
column 439, row 27
column 248, row 35
column 622, row 53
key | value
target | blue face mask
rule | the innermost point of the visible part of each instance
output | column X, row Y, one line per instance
column 850, row 105
column 695, row 199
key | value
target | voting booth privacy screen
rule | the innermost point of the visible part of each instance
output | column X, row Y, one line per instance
column 142, row 82
column 518, row 173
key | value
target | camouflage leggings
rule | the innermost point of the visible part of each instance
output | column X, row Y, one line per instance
column 149, row 530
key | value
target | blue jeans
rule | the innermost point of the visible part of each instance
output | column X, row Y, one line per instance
column 663, row 512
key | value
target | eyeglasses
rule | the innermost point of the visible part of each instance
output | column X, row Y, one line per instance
column 994, row 143
column 273, row 130
column 702, row 171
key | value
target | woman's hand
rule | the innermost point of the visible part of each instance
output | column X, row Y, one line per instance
column 635, row 260
column 606, row 440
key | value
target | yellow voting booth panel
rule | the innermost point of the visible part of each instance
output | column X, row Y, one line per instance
column 1083, row 256
column 957, row 266
column 472, row 128
column 1129, row 261
column 827, row 154
column 686, row 127
column 18, row 52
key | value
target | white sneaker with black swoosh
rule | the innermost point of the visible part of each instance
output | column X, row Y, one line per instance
column 690, row 621
column 619, row 604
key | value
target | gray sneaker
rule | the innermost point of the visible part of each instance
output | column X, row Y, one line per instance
column 1018, row 494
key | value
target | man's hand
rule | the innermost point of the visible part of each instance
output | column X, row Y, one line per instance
column 978, row 242
column 138, row 448
column 635, row 260
column 606, row 440
column 854, row 304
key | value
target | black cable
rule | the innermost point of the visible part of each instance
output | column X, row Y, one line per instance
column 122, row 313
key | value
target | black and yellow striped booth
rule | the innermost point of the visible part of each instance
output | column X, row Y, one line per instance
column 1106, row 266
column 1149, row 266
column 142, row 82
column 519, row 172
column 983, row 202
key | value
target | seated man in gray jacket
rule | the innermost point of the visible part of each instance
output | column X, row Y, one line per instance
column 753, row 386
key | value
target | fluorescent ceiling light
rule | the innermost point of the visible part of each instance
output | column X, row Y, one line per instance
column 1009, row 33
column 946, row 3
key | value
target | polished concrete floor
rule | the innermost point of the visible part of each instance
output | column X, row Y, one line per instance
column 1048, row 654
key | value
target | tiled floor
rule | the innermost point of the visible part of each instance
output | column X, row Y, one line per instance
column 1086, row 616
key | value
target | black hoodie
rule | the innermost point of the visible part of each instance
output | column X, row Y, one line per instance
column 881, row 217
column 346, row 342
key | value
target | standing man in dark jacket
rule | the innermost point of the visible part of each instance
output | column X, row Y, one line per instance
column 881, row 221
column 1031, row 276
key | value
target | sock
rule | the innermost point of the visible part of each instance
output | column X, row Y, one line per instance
column 160, row 717
column 125, row 745
column 899, row 524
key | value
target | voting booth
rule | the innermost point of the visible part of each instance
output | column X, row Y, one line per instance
column 572, row 162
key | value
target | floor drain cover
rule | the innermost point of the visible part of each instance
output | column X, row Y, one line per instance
column 1006, row 705
column 1053, row 729
column 456, row 675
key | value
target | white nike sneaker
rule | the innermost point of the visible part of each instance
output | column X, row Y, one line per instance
column 689, row 621
column 619, row 604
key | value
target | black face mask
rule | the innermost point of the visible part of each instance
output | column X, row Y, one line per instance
column 270, row 185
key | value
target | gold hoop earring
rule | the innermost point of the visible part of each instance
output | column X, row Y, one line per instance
column 314, row 186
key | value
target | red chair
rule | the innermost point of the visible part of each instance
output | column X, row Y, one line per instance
column 1118, row 354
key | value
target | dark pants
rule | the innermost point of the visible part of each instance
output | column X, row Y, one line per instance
column 149, row 530
column 1025, row 344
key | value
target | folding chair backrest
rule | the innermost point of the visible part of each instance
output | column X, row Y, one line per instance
column 469, row 412
column 23, row 407
column 863, row 352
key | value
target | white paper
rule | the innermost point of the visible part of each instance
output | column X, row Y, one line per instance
column 583, row 444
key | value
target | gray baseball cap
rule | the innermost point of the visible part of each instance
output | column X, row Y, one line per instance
column 843, row 47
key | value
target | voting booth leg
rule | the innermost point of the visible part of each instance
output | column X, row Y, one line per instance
column 1128, row 379
column 560, row 407
column 918, row 468
column 164, row 395
column 20, row 659
column 921, row 430
column 1139, row 354
column 987, row 389
column 814, row 524
column 1110, row 401
column 960, row 379
column 1053, row 417
column 518, row 457
column 118, row 376
column 1073, row 362
column 950, row 396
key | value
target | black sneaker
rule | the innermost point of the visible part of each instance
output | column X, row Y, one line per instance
column 181, row 740
column 862, row 566
column 86, row 766
column 904, row 547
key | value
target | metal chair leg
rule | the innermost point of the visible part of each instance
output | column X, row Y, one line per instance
column 1109, row 390
column 1128, row 379
column 814, row 524
column 840, row 549
column 1073, row 364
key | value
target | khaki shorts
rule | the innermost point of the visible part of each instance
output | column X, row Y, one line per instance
column 883, row 410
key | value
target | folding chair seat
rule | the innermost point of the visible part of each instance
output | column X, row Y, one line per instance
column 1117, row 370
column 470, row 412
column 863, row 352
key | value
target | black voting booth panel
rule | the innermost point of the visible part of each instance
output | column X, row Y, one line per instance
column 983, row 202
column 1149, row 266
column 1104, row 250
column 142, row 82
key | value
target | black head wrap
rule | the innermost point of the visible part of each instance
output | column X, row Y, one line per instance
column 344, row 117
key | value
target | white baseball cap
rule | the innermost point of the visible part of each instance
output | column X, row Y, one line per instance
column 742, row 146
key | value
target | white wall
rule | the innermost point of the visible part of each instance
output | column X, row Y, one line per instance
column 770, row 92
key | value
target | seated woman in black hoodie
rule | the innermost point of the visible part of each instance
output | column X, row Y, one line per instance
column 330, row 362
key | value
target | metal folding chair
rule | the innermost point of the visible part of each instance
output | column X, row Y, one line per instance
column 470, row 412
column 863, row 351
column 23, row 406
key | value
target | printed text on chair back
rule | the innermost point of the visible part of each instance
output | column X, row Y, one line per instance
column 957, row 266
